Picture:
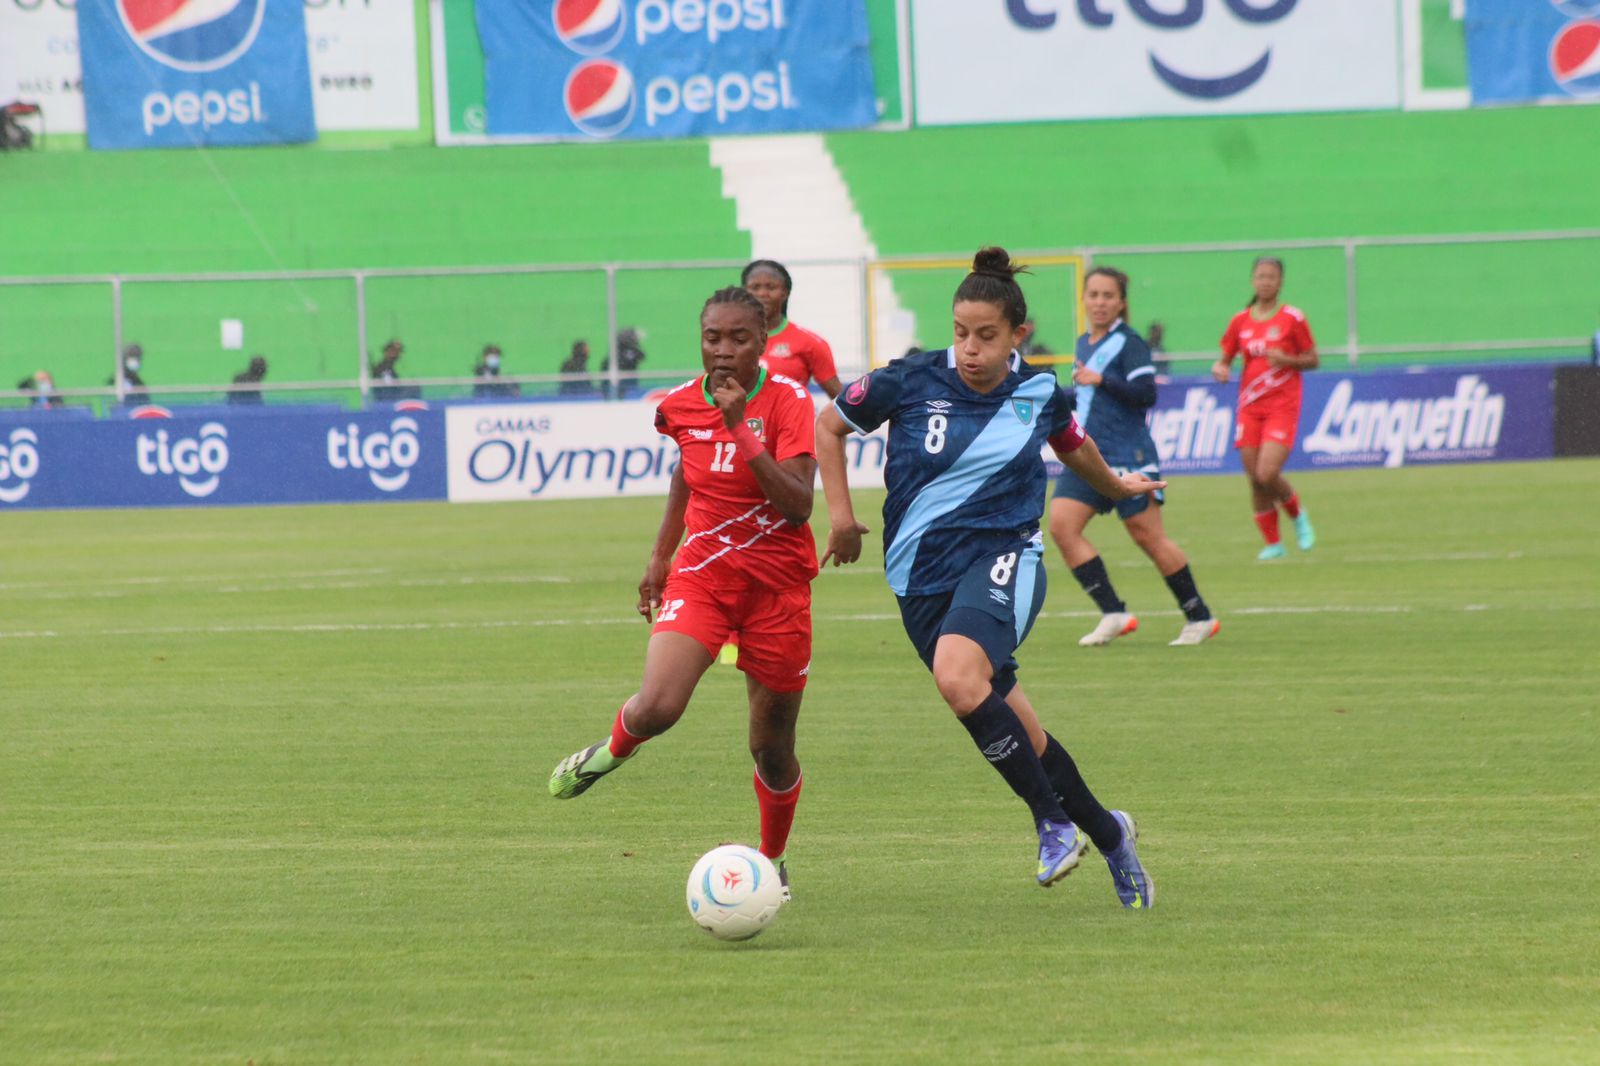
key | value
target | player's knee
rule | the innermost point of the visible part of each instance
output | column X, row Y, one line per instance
column 962, row 688
column 776, row 764
column 653, row 713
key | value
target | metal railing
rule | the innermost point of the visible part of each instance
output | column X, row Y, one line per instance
column 615, row 378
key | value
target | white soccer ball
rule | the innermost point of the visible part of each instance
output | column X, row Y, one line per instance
column 734, row 892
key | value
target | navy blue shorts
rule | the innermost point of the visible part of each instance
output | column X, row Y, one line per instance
column 995, row 604
column 1072, row 487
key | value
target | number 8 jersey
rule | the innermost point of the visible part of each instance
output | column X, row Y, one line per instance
column 734, row 536
column 965, row 470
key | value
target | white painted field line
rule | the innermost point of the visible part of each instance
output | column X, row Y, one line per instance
column 617, row 620
column 174, row 579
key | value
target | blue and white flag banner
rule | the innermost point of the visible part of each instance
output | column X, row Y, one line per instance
column 1522, row 51
column 195, row 73
column 600, row 69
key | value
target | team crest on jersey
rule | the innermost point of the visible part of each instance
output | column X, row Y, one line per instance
column 1274, row 333
column 758, row 427
column 1024, row 410
column 782, row 349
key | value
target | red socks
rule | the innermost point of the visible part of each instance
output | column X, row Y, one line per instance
column 1291, row 506
column 777, row 815
column 622, row 741
column 1268, row 521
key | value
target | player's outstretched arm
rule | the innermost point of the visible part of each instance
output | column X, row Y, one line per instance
column 1085, row 461
column 844, row 532
column 666, row 545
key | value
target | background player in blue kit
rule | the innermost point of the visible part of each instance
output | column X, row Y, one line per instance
column 1116, row 385
column 962, row 547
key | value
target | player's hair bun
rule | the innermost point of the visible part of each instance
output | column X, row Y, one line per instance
column 995, row 262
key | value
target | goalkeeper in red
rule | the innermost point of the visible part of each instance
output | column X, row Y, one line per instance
column 742, row 493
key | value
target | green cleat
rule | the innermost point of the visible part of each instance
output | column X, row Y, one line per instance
column 574, row 775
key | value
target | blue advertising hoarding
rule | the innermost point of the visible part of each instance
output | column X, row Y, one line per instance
column 195, row 73
column 600, row 69
column 248, row 459
column 1519, row 51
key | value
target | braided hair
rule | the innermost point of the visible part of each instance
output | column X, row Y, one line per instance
column 734, row 294
column 993, row 280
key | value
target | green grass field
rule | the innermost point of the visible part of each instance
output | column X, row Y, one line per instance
column 272, row 790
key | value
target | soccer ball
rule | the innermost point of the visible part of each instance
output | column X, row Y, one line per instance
column 734, row 892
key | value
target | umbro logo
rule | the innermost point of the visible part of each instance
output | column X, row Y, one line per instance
column 939, row 405
column 702, row 434
column 1001, row 748
column 999, row 596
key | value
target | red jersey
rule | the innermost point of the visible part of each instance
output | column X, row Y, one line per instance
column 1286, row 331
column 799, row 354
column 734, row 535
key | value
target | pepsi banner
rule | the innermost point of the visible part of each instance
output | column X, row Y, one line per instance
column 194, row 73
column 598, row 69
column 1520, row 51
column 247, row 459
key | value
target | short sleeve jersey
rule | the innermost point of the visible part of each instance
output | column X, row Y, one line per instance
column 734, row 536
column 1261, row 382
column 1117, row 428
column 965, row 474
column 799, row 354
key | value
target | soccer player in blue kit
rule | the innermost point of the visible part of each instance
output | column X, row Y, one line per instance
column 962, row 547
column 1116, row 386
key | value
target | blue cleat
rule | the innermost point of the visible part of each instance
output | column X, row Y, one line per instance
column 1271, row 551
column 1135, row 888
column 1060, row 847
column 1304, row 535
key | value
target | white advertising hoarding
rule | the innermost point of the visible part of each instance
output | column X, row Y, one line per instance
column 363, row 62
column 593, row 450
column 1034, row 60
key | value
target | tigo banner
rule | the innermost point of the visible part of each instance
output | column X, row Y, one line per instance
column 1525, row 50
column 192, row 73
column 1068, row 59
column 674, row 68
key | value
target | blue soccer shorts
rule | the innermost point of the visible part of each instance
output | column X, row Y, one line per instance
column 1072, row 487
column 994, row 604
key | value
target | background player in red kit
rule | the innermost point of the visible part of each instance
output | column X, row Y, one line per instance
column 1277, row 345
column 791, row 351
column 742, row 492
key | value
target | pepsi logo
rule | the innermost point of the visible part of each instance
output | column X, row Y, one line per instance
column 1575, row 58
column 589, row 27
column 600, row 98
column 193, row 35
column 1577, row 9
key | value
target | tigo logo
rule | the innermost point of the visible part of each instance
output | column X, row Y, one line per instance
column 1575, row 58
column 193, row 35
column 589, row 27
column 19, row 461
column 186, row 457
column 399, row 449
column 600, row 98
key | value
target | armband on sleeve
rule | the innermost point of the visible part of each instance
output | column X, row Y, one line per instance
column 1070, row 439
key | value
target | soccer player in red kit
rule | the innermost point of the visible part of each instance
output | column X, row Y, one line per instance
column 792, row 351
column 1277, row 346
column 742, row 493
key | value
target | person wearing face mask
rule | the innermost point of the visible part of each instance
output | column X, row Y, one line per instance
column 133, row 390
column 487, row 372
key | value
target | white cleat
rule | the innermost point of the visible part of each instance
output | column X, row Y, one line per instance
column 1113, row 625
column 1196, row 632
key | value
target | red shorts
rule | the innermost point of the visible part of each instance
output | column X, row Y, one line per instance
column 1264, row 422
column 773, row 626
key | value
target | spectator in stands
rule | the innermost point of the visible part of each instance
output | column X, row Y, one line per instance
column 133, row 390
column 384, row 374
column 577, row 363
column 487, row 372
column 629, row 356
column 43, row 386
column 1155, row 338
column 251, row 375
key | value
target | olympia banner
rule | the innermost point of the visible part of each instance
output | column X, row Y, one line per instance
column 1519, row 51
column 194, row 73
column 595, row 69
